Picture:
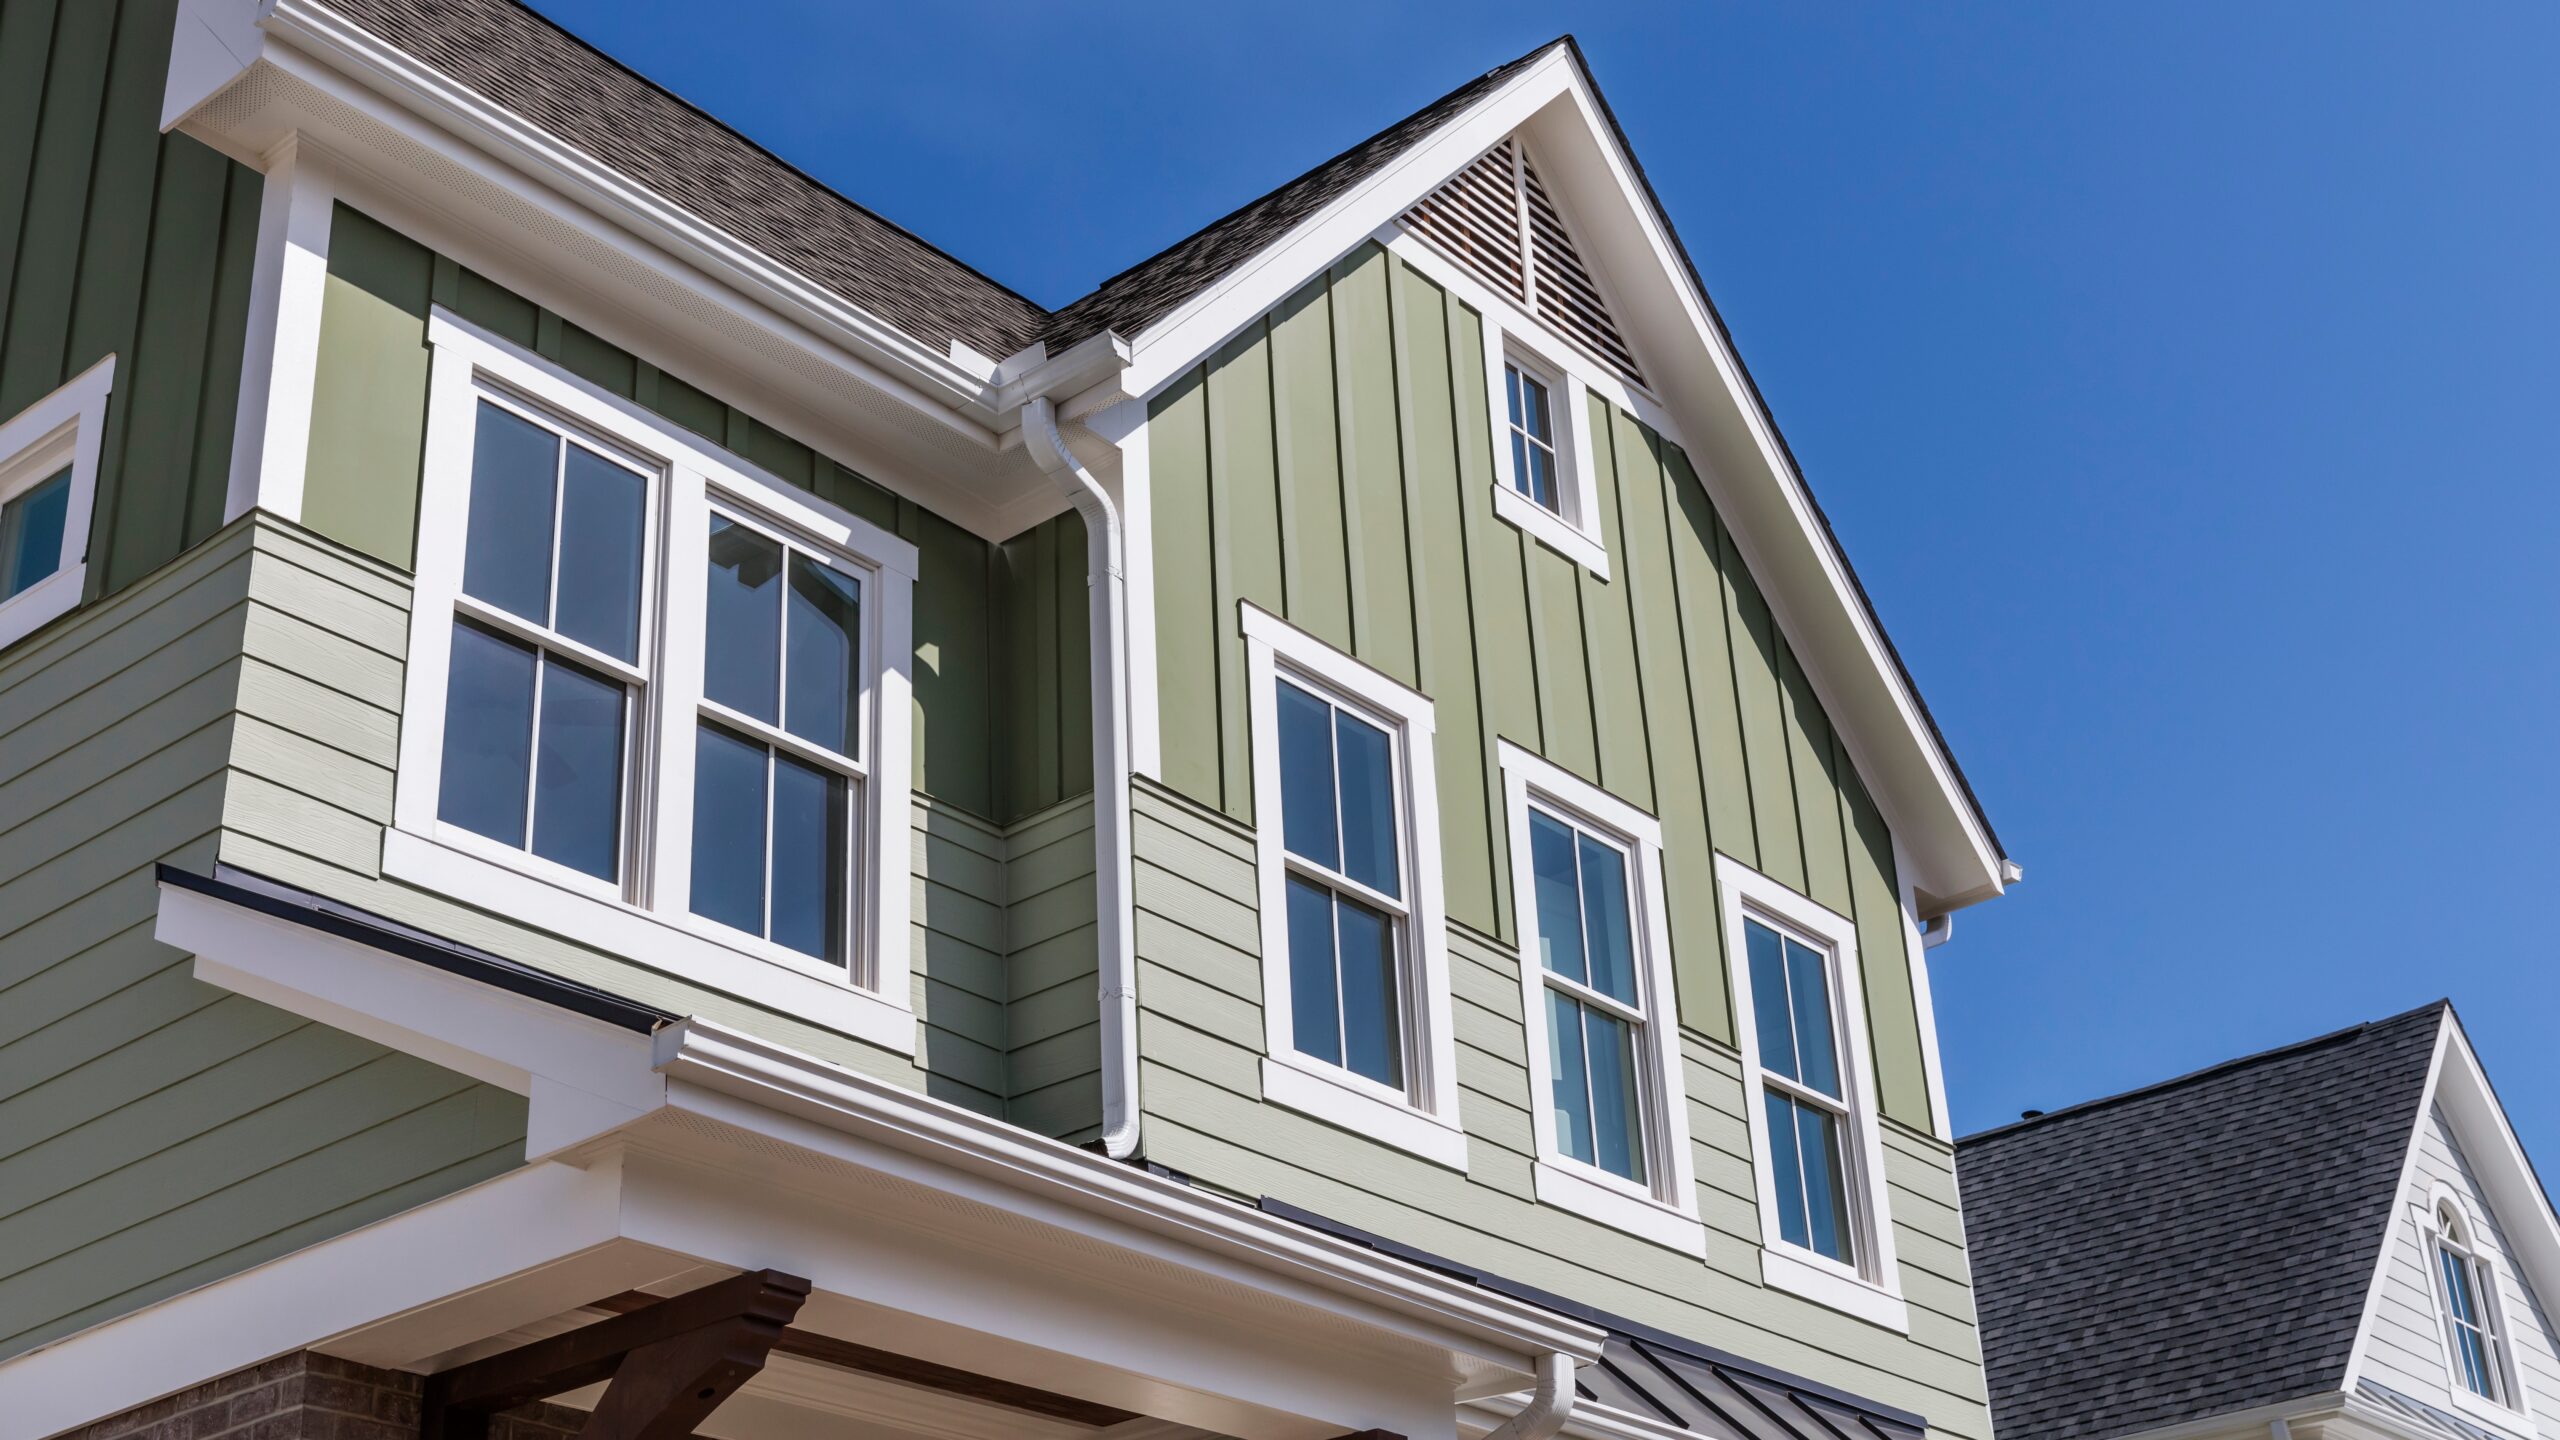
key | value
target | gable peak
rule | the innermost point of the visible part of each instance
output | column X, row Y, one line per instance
column 1496, row 219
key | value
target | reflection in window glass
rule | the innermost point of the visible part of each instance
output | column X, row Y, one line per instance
column 742, row 640
column 1800, row 1068
column 825, row 630
column 488, row 735
column 1339, row 824
column 506, row 557
column 809, row 871
column 31, row 524
column 728, row 829
column 577, row 790
column 1586, row 944
column 603, row 510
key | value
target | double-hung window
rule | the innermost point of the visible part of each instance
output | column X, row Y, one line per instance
column 657, row 700
column 1534, row 467
column 1355, row 961
column 1596, row 996
column 48, row 483
column 2466, row 1282
column 1817, row 1152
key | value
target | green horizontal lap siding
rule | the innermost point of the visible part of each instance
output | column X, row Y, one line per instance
column 117, row 240
column 1334, row 464
column 313, row 776
column 155, row 1132
column 973, row 673
column 1201, row 1041
column 1053, row 1040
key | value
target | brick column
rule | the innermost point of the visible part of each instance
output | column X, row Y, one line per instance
column 304, row 1396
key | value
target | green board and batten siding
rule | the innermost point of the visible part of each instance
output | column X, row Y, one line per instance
column 157, row 1133
column 118, row 240
column 1339, row 458
column 1334, row 465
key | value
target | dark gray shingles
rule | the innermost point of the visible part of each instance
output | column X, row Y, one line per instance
column 2193, row 1248
column 543, row 74
column 1145, row 292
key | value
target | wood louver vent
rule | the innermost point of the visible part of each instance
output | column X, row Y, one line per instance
column 1496, row 219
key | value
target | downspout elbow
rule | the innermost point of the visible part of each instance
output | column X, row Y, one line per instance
column 1550, row 1405
column 1115, row 963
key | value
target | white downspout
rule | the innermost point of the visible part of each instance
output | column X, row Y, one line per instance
column 1549, row 1405
column 1116, row 923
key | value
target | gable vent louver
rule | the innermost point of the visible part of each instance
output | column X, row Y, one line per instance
column 1496, row 219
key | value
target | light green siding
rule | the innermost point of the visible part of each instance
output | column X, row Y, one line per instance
column 1361, row 509
column 1201, row 1036
column 157, row 1133
column 1002, row 704
column 117, row 240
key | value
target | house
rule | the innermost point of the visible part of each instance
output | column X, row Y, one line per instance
column 623, row 786
column 2340, row 1238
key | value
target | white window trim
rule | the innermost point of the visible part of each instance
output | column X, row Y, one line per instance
column 869, row 996
column 2506, row 1415
column 68, row 425
column 1511, row 333
column 1425, row 1121
column 1872, row 1289
column 1665, row 1210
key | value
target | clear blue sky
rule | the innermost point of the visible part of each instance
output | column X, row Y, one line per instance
column 2183, row 378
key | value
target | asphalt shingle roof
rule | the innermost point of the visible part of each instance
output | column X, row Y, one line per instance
column 2194, row 1248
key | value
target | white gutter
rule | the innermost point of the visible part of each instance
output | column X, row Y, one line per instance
column 1116, row 963
column 1549, row 1406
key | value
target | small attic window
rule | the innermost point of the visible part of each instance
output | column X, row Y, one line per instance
column 2468, row 1289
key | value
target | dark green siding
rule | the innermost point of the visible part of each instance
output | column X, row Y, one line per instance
column 117, row 240
column 1337, row 459
column 1002, row 690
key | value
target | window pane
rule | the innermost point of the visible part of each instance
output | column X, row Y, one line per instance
column 1770, row 999
column 2457, row 1287
column 1521, row 479
column 1368, row 805
column 31, row 534
column 1306, row 777
column 809, row 873
column 742, row 640
column 1569, row 1075
column 1542, row 476
column 1786, row 1167
column 488, row 735
column 506, row 556
column 1617, row 1126
column 1315, row 1007
column 1534, row 415
column 728, row 829
column 1372, row 1036
column 577, row 791
column 821, row 681
column 1809, row 981
column 1826, row 1194
column 601, row 531
column 1511, row 390
column 1559, row 896
column 1605, row 921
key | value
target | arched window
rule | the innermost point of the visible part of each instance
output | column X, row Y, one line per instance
column 2470, row 1307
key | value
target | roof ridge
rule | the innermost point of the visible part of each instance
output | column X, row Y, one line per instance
column 2209, row 1072
column 527, row 6
column 1304, row 171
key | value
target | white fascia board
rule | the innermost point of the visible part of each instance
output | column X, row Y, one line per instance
column 475, row 1237
column 582, row 1075
column 432, row 95
column 2400, row 1188
column 978, row 1158
column 1780, row 532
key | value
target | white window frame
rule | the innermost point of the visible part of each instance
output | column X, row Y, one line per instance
column 1664, row 1207
column 1512, row 336
column 65, row 427
column 645, row 916
column 1870, row 1289
column 2503, row 1412
column 1423, row 1119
